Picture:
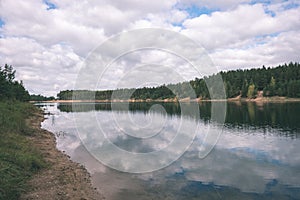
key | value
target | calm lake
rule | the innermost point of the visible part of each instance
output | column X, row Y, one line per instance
column 257, row 156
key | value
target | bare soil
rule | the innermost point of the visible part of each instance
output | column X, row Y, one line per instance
column 62, row 178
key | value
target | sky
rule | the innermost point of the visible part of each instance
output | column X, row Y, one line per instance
column 47, row 41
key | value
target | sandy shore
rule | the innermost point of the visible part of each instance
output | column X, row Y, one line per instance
column 275, row 99
column 63, row 178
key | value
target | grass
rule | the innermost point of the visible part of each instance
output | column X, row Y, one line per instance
column 18, row 158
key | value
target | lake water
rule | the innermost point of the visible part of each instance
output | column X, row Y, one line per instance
column 257, row 156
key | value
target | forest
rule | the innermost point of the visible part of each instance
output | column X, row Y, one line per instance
column 283, row 80
column 10, row 89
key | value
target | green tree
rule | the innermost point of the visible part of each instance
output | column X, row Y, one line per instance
column 251, row 91
column 272, row 87
column 9, row 87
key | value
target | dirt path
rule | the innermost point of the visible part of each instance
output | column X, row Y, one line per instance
column 62, row 179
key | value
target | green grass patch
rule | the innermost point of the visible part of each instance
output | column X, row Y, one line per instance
column 18, row 158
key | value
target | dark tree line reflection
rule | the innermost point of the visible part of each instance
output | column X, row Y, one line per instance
column 283, row 116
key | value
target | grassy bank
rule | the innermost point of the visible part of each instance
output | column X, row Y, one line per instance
column 18, row 158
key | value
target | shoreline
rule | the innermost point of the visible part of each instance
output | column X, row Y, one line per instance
column 275, row 99
column 62, row 178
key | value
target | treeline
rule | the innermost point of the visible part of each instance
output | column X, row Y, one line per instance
column 161, row 92
column 38, row 97
column 10, row 89
column 283, row 80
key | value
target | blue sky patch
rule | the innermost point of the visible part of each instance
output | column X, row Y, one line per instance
column 270, row 12
column 179, row 24
column 195, row 11
column 2, row 23
column 266, row 2
column 291, row 6
column 288, row 6
column 50, row 5
column 274, row 34
column 261, row 39
column 267, row 35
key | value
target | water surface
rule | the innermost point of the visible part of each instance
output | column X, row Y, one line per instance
column 256, row 157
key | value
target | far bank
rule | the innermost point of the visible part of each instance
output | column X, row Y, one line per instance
column 276, row 99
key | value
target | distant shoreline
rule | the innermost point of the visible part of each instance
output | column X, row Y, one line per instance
column 275, row 99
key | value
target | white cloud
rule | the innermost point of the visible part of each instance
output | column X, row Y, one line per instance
column 41, row 68
column 32, row 20
column 247, row 36
column 215, row 4
column 222, row 29
column 47, row 47
column 277, row 50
